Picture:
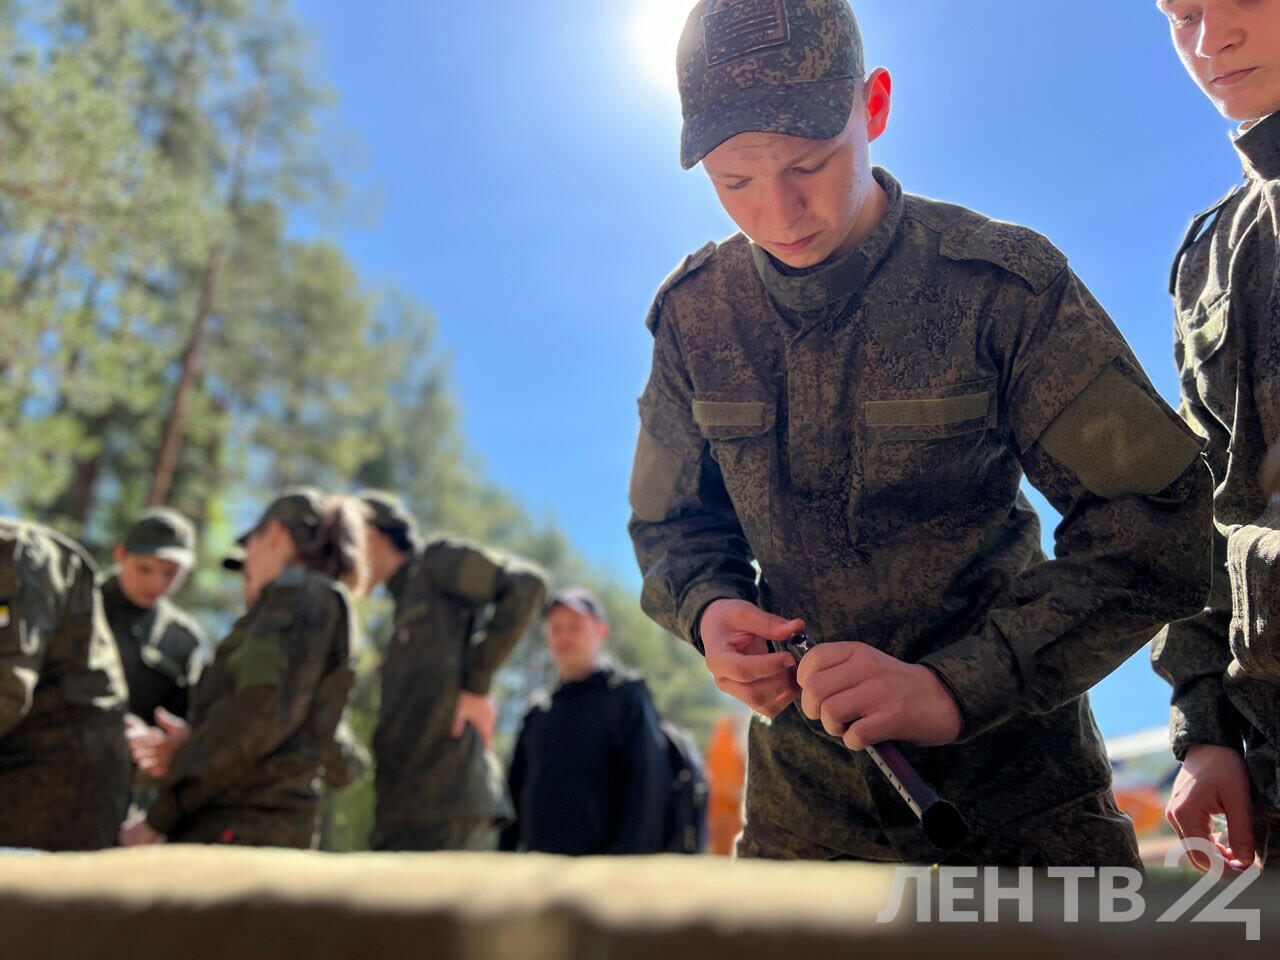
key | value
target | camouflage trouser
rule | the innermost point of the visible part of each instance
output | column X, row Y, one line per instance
column 248, row 828
column 1088, row 832
column 65, row 786
column 466, row 834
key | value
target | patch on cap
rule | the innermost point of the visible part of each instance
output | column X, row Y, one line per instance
column 740, row 27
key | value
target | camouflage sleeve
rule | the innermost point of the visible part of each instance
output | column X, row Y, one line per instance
column 1192, row 655
column 347, row 759
column 686, row 534
column 1253, row 565
column 481, row 577
column 1133, row 549
column 274, row 664
column 30, row 602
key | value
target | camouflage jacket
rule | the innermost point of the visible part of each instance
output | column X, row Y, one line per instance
column 459, row 611
column 64, row 767
column 860, row 432
column 265, row 710
column 1225, row 669
column 55, row 649
column 159, row 649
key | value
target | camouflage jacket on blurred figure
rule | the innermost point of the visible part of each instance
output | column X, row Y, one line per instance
column 860, row 431
column 263, row 718
column 64, row 769
column 459, row 611
column 1225, row 669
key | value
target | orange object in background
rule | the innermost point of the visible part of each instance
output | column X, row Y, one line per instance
column 726, row 774
column 1145, row 807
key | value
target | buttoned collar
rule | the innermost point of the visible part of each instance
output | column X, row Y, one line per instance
column 832, row 284
column 1259, row 149
column 115, row 600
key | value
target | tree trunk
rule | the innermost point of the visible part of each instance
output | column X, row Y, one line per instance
column 166, row 461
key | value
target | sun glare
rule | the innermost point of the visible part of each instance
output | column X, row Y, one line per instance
column 655, row 34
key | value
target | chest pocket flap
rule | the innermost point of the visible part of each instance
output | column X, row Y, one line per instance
column 934, row 414
column 732, row 419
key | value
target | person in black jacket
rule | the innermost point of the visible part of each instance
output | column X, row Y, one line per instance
column 590, row 773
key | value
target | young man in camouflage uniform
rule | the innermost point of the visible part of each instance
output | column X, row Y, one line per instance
column 843, row 401
column 64, row 768
column 1224, row 665
column 159, row 642
column 459, row 610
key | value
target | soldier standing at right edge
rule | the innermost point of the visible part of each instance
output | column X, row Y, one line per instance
column 1224, row 665
column 848, row 394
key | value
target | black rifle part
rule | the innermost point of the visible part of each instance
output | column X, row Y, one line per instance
column 942, row 823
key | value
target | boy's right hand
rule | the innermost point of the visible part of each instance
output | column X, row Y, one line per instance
column 1214, row 780
column 734, row 635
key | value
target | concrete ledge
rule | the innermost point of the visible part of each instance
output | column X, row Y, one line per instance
column 195, row 903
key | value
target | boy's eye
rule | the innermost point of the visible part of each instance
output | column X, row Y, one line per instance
column 736, row 185
column 807, row 171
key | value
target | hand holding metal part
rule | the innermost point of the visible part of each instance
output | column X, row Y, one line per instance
column 941, row 822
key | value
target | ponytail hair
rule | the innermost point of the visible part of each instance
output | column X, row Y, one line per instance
column 336, row 547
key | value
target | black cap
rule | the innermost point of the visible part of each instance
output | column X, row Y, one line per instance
column 299, row 510
column 773, row 66
column 578, row 599
column 164, row 533
column 386, row 512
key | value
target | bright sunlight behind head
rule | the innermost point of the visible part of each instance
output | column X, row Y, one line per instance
column 655, row 34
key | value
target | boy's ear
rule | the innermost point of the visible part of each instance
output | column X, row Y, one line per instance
column 878, row 92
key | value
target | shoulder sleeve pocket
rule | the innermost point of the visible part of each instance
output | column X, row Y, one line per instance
column 1118, row 439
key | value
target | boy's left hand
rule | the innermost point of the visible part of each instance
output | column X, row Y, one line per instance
column 865, row 696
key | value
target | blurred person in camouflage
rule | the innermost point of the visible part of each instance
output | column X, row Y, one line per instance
column 347, row 759
column 459, row 611
column 1224, row 664
column 64, row 767
column 843, row 402
column 244, row 769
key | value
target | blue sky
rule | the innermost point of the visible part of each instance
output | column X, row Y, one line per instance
column 519, row 160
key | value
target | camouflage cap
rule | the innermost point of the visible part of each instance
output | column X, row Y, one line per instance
column 163, row 533
column 299, row 510
column 578, row 599
column 387, row 513
column 774, row 66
